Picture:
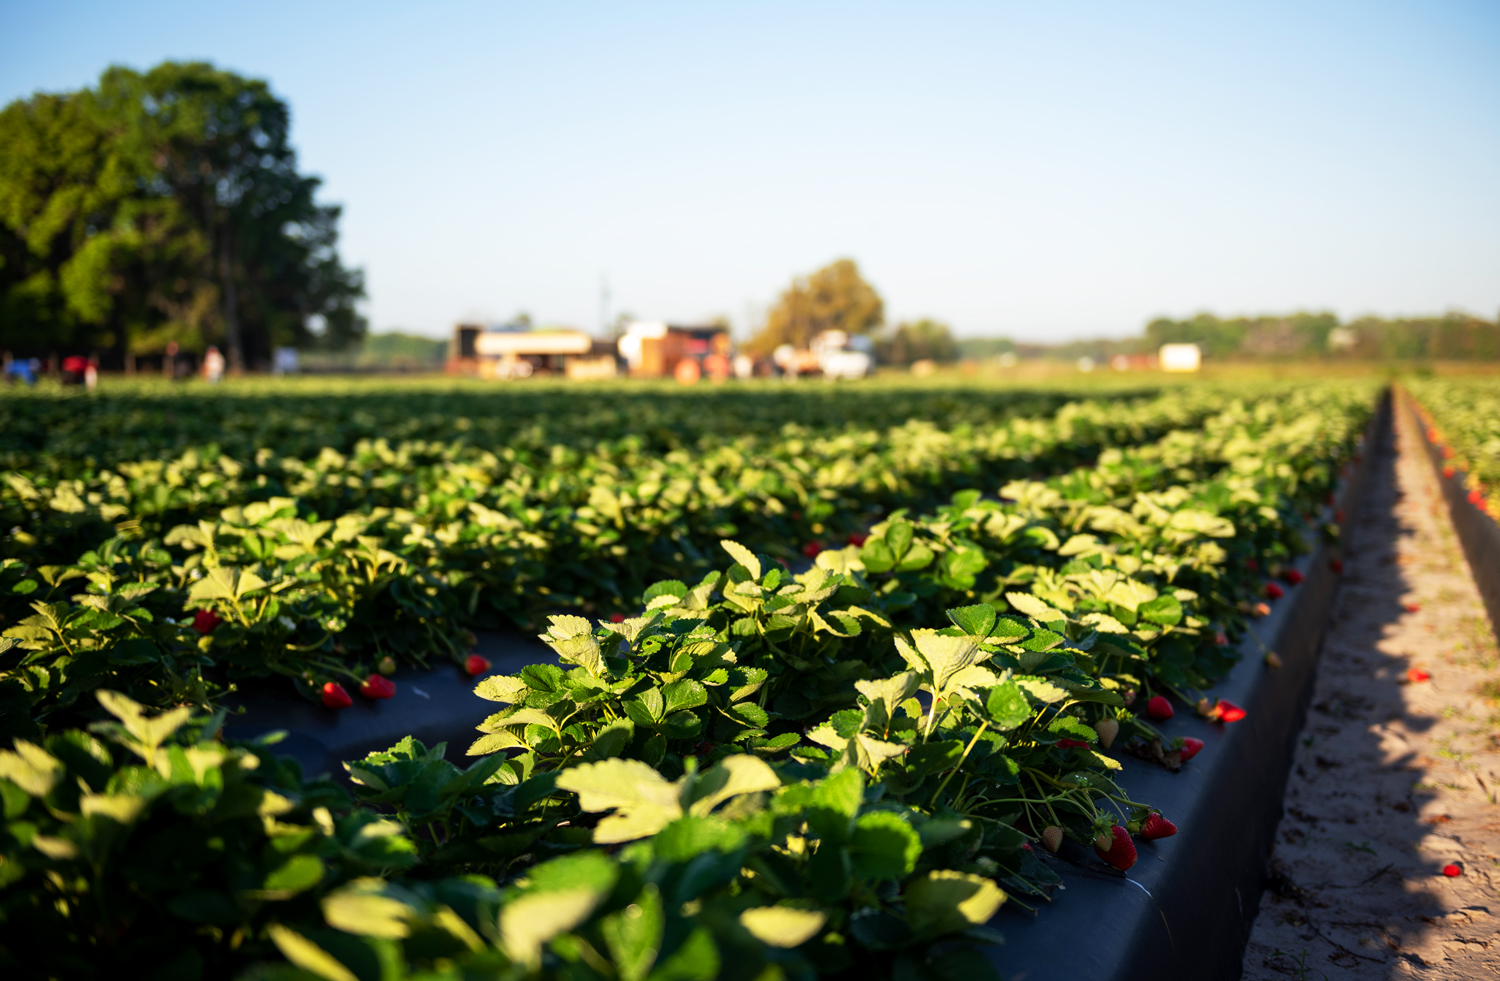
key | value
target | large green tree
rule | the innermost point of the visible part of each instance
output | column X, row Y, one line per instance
column 165, row 206
column 835, row 297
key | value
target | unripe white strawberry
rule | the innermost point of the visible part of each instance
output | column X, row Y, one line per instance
column 1107, row 729
column 1052, row 837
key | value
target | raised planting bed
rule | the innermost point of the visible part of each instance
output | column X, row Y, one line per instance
column 1186, row 908
column 1477, row 532
column 434, row 705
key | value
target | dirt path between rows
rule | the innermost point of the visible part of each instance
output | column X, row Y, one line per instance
column 1394, row 779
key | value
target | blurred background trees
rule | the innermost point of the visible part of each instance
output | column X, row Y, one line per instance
column 835, row 297
column 162, row 207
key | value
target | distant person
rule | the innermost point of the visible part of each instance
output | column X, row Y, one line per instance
column 73, row 368
column 213, row 366
column 22, row 370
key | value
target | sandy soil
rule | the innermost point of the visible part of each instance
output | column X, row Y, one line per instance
column 1394, row 779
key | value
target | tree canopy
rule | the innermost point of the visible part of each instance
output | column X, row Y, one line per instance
column 835, row 297
column 165, row 206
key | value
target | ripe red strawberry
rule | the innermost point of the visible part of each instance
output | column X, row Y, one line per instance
column 1226, row 711
column 1221, row 639
column 1155, row 826
column 617, row 618
column 858, row 540
column 1337, row 565
column 1190, row 748
column 1107, row 729
column 1121, row 851
column 1067, row 743
column 1274, row 591
column 1052, row 837
column 335, row 697
column 811, row 549
column 1159, row 708
column 1448, row 470
column 1417, row 674
column 1433, row 435
column 1413, row 607
column 204, row 621
column 1292, row 576
column 1453, row 871
column 476, row 665
column 386, row 665
column 1475, row 497
column 377, row 687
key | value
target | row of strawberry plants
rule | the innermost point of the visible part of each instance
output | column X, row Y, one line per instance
column 69, row 434
column 787, row 483
column 1462, row 416
column 312, row 599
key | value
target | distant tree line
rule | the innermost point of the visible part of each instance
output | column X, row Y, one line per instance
column 1302, row 335
column 163, row 208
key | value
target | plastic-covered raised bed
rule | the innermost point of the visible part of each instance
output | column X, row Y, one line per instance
column 433, row 705
column 1186, row 908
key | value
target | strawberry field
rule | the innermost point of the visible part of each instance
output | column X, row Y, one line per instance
column 834, row 671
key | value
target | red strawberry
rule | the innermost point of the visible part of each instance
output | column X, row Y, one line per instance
column 1433, row 435
column 1156, row 826
column 386, row 665
column 1052, row 837
column 1475, row 497
column 204, row 621
column 1220, row 639
column 335, row 697
column 1274, row 591
column 1292, row 576
column 1252, row 565
column 858, row 540
column 1447, row 453
column 811, row 549
column 476, row 665
column 1067, row 743
column 1121, row 851
column 1107, row 729
column 1226, row 711
column 377, row 687
column 1337, row 565
column 1190, row 748
column 1453, row 871
column 617, row 618
column 1417, row 674
column 1159, row 708
column 1448, row 470
column 1413, row 607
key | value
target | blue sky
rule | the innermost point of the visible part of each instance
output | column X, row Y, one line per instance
column 1043, row 171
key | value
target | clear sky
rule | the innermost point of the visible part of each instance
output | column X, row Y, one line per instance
column 1039, row 170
